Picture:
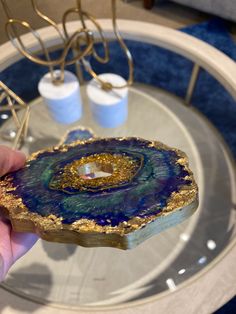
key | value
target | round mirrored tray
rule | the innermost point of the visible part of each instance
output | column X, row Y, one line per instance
column 74, row 277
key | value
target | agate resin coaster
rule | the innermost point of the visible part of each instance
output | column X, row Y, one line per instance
column 113, row 192
column 77, row 134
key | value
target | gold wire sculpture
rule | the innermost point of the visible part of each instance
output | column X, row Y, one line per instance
column 9, row 101
column 82, row 42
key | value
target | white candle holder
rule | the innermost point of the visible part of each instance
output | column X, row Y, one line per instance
column 109, row 107
column 63, row 100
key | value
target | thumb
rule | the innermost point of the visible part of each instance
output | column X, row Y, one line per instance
column 10, row 160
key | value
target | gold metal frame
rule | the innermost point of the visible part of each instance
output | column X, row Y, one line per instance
column 82, row 37
column 192, row 84
column 13, row 103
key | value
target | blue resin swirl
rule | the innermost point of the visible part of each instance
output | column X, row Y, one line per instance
column 147, row 194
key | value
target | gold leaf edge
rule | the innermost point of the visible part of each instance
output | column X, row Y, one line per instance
column 18, row 213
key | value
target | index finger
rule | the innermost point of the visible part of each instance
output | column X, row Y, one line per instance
column 10, row 160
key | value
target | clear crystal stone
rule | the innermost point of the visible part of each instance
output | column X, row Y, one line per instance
column 95, row 170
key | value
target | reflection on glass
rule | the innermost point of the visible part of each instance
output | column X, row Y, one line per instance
column 202, row 260
column 182, row 271
column 8, row 135
column 184, row 237
column 171, row 284
column 4, row 116
column 211, row 244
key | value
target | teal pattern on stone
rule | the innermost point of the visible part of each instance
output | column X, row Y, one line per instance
column 145, row 195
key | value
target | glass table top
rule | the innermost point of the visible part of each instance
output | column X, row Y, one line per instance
column 75, row 276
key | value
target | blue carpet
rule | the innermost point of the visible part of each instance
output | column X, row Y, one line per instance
column 228, row 308
column 161, row 68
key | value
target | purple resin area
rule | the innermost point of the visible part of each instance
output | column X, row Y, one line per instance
column 147, row 194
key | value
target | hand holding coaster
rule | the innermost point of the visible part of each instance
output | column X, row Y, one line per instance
column 114, row 192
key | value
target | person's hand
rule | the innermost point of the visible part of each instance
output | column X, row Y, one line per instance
column 13, row 245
